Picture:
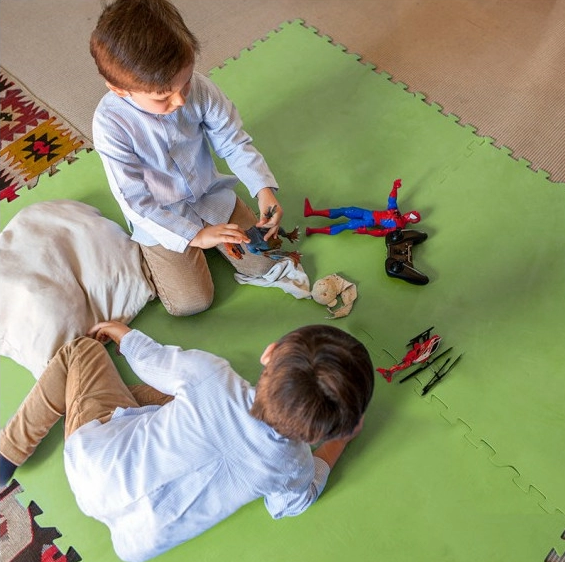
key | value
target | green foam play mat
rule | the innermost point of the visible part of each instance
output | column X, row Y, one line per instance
column 473, row 471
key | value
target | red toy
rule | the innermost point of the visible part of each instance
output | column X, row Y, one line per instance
column 422, row 346
column 361, row 220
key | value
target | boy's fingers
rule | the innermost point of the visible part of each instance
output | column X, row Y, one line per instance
column 95, row 329
column 235, row 233
column 272, row 233
column 101, row 336
column 235, row 237
column 101, row 331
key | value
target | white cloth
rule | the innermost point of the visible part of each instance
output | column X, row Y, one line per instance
column 284, row 275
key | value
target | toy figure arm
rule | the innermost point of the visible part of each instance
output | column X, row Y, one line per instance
column 392, row 198
column 374, row 231
column 349, row 294
column 395, row 187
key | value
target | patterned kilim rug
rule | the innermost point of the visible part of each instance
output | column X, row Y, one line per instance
column 471, row 472
column 34, row 139
column 22, row 539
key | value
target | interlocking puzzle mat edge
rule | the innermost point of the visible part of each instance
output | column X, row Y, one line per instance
column 477, row 143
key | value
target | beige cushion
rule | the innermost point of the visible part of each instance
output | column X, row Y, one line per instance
column 63, row 268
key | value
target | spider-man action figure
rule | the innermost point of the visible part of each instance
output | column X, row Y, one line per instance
column 360, row 220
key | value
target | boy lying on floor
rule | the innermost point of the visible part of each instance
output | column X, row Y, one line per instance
column 161, row 462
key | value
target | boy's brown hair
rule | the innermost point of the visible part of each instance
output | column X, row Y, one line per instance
column 316, row 385
column 141, row 45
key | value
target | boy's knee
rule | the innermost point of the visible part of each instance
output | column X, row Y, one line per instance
column 78, row 349
column 190, row 310
column 190, row 304
column 82, row 344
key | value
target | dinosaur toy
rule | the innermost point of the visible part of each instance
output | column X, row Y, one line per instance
column 271, row 248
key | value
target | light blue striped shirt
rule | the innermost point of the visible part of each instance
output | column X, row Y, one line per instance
column 158, row 476
column 160, row 167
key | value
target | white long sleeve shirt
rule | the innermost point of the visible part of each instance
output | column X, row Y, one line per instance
column 158, row 476
column 160, row 167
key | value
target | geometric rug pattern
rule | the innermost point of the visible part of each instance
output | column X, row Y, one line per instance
column 21, row 538
column 33, row 139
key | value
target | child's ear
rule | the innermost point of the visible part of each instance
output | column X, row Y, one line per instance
column 266, row 356
column 118, row 91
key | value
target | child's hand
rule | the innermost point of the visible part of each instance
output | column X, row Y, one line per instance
column 330, row 451
column 271, row 212
column 211, row 236
column 106, row 331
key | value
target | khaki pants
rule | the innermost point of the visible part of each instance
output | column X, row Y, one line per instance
column 183, row 280
column 81, row 383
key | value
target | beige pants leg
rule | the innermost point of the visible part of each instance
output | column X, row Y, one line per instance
column 146, row 395
column 183, row 280
column 80, row 382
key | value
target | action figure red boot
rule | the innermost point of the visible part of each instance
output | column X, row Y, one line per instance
column 321, row 230
column 308, row 211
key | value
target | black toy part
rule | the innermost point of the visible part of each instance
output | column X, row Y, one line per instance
column 399, row 263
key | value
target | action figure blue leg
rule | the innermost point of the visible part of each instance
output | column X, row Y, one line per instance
column 337, row 228
column 349, row 212
column 352, row 224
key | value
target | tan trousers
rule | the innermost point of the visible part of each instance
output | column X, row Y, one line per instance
column 183, row 280
column 81, row 383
